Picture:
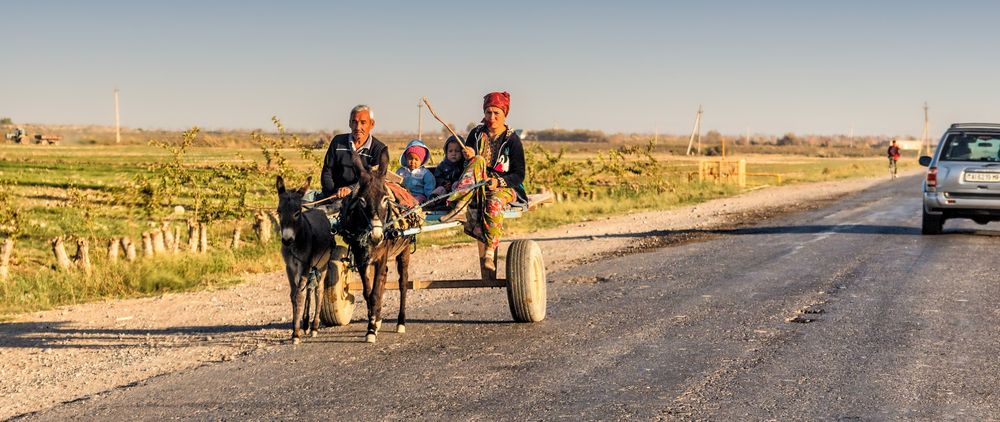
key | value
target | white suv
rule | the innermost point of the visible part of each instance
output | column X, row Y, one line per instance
column 963, row 176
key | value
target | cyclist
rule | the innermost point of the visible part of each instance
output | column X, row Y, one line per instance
column 893, row 154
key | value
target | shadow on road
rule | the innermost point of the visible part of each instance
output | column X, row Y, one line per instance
column 56, row 335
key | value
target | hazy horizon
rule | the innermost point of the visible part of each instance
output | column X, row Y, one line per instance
column 623, row 67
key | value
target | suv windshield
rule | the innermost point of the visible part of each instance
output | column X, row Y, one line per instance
column 971, row 147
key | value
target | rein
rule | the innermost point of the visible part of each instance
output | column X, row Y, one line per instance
column 364, row 237
column 432, row 200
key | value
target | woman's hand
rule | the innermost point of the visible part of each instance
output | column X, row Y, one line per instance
column 468, row 152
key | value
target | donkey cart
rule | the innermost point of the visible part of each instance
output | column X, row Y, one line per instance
column 525, row 275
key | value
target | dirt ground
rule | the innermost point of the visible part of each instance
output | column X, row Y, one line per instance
column 51, row 357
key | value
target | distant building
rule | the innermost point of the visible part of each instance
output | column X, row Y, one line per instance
column 908, row 144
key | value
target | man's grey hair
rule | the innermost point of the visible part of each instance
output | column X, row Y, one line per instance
column 363, row 107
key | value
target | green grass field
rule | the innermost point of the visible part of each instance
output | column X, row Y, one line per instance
column 85, row 191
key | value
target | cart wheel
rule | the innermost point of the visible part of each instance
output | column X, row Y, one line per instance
column 338, row 302
column 526, row 281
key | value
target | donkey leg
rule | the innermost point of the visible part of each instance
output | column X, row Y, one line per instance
column 366, row 279
column 403, row 268
column 300, row 305
column 293, row 274
column 381, row 275
column 308, row 305
column 375, row 301
column 319, row 291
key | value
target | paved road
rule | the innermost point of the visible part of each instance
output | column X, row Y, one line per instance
column 840, row 313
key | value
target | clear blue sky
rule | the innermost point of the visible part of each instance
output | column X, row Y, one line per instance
column 772, row 66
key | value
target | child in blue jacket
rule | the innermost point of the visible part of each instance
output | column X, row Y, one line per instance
column 416, row 178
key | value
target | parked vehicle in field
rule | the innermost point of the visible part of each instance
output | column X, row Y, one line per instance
column 17, row 136
column 963, row 176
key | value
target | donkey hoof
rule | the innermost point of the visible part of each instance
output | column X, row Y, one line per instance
column 370, row 338
column 400, row 328
column 312, row 333
column 296, row 340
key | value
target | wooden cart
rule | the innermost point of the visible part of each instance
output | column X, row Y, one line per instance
column 524, row 282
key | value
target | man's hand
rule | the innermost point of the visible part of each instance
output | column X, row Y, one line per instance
column 492, row 184
column 343, row 192
column 468, row 152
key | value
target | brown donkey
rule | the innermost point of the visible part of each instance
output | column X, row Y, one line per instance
column 361, row 224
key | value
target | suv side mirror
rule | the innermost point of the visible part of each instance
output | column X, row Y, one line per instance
column 925, row 161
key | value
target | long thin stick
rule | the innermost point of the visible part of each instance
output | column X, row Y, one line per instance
column 446, row 126
column 309, row 204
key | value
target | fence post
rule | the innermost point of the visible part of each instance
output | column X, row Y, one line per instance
column 203, row 236
column 6, row 250
column 263, row 226
column 177, row 240
column 168, row 236
column 192, row 235
column 235, row 244
column 129, row 249
column 159, row 247
column 82, row 257
column 59, row 249
column 147, row 245
column 113, row 250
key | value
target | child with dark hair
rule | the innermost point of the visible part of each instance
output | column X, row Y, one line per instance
column 450, row 170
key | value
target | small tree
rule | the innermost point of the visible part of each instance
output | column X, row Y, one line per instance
column 6, row 121
column 713, row 137
column 789, row 139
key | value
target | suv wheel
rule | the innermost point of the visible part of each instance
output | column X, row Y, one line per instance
column 932, row 224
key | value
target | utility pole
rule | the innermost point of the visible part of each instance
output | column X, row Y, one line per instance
column 696, row 132
column 924, row 139
column 850, row 138
column 118, row 121
column 420, row 120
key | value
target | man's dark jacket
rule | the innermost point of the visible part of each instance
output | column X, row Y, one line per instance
column 338, row 168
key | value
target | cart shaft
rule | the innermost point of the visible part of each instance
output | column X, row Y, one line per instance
column 438, row 284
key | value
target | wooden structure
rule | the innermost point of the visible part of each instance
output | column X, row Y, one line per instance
column 721, row 170
column 525, row 274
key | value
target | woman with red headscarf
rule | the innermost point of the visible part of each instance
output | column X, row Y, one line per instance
column 495, row 155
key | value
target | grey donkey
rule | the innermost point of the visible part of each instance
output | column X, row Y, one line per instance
column 306, row 245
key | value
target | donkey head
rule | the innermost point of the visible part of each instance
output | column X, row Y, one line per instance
column 290, row 209
column 367, row 211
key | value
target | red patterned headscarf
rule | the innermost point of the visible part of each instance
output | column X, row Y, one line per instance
column 499, row 100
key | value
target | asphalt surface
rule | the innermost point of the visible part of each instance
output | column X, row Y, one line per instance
column 840, row 313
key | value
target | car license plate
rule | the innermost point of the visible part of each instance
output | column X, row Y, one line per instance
column 982, row 177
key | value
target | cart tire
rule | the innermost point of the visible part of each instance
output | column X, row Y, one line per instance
column 338, row 302
column 526, row 281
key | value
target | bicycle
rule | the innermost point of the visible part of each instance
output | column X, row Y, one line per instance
column 893, row 168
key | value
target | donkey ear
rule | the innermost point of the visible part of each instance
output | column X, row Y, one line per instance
column 305, row 187
column 281, row 185
column 360, row 166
